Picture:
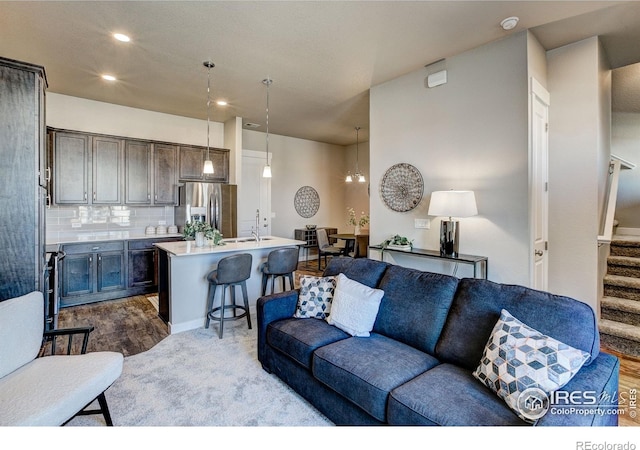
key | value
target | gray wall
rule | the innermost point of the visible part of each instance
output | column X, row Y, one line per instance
column 579, row 83
column 626, row 144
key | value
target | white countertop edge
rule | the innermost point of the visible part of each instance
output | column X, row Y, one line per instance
column 188, row 248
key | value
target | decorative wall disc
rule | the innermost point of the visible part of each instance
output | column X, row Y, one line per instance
column 307, row 201
column 401, row 187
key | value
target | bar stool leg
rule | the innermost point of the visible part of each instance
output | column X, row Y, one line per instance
column 212, row 294
column 222, row 302
column 290, row 281
column 232, row 288
column 265, row 278
column 246, row 302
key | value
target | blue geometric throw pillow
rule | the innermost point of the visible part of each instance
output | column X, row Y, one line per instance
column 518, row 359
column 314, row 299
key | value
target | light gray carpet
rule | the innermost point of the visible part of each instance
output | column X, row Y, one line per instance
column 196, row 379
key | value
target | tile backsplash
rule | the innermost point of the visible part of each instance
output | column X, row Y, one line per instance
column 67, row 222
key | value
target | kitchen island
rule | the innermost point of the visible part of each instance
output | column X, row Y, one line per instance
column 182, row 276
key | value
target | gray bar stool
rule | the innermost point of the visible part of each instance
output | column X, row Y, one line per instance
column 280, row 263
column 232, row 271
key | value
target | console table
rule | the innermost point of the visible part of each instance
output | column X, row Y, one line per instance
column 479, row 263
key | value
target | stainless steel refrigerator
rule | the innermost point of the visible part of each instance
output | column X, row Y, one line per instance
column 214, row 203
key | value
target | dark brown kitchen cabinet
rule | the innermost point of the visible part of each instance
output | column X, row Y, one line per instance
column 71, row 158
column 137, row 173
column 107, row 170
column 92, row 272
column 191, row 162
column 165, row 159
column 87, row 169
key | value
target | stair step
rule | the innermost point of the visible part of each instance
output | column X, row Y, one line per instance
column 621, row 310
column 622, row 287
column 620, row 337
column 624, row 266
column 625, row 248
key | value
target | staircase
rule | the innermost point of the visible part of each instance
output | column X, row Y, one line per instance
column 620, row 307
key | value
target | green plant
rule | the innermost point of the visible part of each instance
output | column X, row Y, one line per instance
column 210, row 233
column 397, row 240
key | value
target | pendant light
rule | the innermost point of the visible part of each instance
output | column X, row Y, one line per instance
column 358, row 176
column 266, row 172
column 208, row 164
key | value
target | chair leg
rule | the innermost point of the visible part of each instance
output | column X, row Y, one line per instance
column 212, row 294
column 290, row 281
column 222, row 302
column 265, row 277
column 102, row 401
column 246, row 302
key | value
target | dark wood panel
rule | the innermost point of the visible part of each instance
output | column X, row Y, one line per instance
column 107, row 169
column 137, row 173
column 165, row 174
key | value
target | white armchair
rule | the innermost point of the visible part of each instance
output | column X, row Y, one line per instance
column 47, row 390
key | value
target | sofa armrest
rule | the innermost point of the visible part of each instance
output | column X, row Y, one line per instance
column 271, row 308
column 590, row 398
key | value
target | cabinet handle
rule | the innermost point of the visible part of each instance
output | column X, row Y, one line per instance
column 95, row 248
column 48, row 172
column 94, row 196
column 85, row 196
column 156, row 197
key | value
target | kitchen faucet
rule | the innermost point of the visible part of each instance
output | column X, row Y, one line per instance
column 256, row 234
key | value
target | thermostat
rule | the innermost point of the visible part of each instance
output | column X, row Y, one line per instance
column 436, row 79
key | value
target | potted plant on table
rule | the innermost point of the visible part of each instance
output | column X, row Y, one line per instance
column 397, row 242
column 201, row 231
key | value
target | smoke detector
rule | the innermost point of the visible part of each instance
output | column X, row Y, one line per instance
column 509, row 23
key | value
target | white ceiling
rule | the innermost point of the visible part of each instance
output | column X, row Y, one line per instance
column 323, row 56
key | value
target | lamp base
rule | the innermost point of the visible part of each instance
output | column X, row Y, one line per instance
column 449, row 233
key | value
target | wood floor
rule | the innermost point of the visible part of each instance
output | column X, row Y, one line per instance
column 131, row 325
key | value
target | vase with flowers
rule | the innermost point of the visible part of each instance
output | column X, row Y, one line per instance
column 359, row 223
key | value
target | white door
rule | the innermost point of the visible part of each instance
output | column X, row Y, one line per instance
column 254, row 196
column 539, row 185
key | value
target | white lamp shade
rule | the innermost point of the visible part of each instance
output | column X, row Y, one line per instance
column 266, row 172
column 208, row 167
column 453, row 204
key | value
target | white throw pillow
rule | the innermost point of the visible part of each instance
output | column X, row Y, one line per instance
column 355, row 307
column 314, row 299
column 523, row 366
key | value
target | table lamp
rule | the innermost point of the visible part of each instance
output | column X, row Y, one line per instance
column 452, row 204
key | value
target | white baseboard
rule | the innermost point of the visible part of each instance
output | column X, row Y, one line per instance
column 627, row 231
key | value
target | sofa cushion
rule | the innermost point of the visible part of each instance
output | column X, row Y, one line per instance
column 476, row 309
column 448, row 395
column 315, row 296
column 355, row 307
column 365, row 370
column 298, row 338
column 415, row 306
column 363, row 270
column 518, row 358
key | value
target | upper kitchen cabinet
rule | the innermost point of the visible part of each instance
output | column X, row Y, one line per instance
column 137, row 157
column 191, row 162
column 165, row 159
column 86, row 169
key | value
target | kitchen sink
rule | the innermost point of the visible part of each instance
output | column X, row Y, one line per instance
column 245, row 239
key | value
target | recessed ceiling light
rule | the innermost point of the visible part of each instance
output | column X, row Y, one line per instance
column 509, row 23
column 221, row 103
column 121, row 37
column 108, row 77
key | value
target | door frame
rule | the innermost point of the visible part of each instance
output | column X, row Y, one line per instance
column 538, row 188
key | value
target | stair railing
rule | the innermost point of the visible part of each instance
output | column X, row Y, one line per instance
column 615, row 165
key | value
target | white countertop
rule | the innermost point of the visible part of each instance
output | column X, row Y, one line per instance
column 188, row 248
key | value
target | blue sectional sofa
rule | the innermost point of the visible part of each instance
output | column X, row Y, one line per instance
column 430, row 333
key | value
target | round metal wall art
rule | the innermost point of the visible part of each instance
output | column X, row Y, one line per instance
column 306, row 201
column 401, row 187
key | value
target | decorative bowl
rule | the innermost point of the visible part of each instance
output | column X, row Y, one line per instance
column 311, row 227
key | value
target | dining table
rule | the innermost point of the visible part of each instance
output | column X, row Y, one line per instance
column 350, row 242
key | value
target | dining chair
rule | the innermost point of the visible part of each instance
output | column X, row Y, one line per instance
column 324, row 247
